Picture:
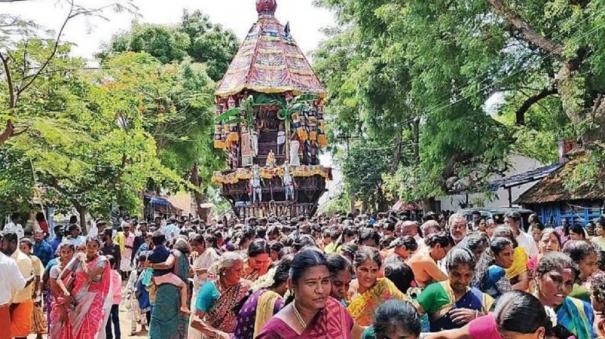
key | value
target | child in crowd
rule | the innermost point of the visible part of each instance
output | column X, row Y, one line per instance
column 138, row 298
column 116, row 290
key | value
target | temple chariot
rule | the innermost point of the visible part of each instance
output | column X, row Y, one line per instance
column 269, row 121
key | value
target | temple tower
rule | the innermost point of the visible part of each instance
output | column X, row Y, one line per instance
column 269, row 121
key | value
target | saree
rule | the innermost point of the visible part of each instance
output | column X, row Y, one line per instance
column 60, row 306
column 577, row 317
column 581, row 292
column 519, row 265
column 484, row 327
column 92, row 301
column 363, row 306
column 256, row 312
column 251, row 275
column 495, row 282
column 167, row 321
column 221, row 313
column 332, row 322
column 438, row 299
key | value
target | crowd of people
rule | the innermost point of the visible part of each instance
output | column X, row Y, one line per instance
column 346, row 276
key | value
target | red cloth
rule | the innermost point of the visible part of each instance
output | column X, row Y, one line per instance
column 44, row 227
column 90, row 297
column 5, row 322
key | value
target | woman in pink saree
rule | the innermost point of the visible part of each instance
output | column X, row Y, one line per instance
column 60, row 327
column 313, row 314
column 91, row 292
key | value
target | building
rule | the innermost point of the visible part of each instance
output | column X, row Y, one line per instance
column 554, row 201
column 504, row 190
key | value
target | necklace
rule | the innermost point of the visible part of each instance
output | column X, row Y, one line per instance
column 301, row 321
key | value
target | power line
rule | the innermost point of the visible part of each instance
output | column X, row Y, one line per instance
column 464, row 98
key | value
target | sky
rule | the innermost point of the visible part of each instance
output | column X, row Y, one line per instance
column 305, row 20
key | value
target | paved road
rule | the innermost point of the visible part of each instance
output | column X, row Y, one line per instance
column 125, row 324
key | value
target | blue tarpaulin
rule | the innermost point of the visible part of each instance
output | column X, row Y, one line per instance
column 160, row 202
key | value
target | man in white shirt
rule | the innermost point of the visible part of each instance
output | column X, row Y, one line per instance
column 526, row 241
column 457, row 227
column 21, row 304
column 11, row 282
column 14, row 227
column 74, row 237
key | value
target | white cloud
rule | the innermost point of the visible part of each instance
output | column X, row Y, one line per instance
column 238, row 15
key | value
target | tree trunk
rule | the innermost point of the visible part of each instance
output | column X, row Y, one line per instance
column 427, row 205
column 198, row 197
column 7, row 133
column 383, row 204
column 143, row 209
column 596, row 135
column 397, row 152
column 82, row 210
column 416, row 134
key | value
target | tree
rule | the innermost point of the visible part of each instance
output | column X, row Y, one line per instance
column 182, row 119
column 177, row 103
column 211, row 44
column 85, row 146
column 196, row 36
column 20, row 72
column 448, row 58
column 362, row 168
column 165, row 43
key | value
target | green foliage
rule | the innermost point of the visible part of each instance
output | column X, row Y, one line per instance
column 165, row 43
column 362, row 167
column 90, row 139
column 195, row 37
column 176, row 102
column 338, row 205
column 438, row 62
column 211, row 44
column 85, row 141
column 16, row 182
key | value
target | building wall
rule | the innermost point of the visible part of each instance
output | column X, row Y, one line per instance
column 518, row 164
column 582, row 212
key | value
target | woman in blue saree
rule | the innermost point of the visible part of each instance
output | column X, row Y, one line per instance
column 491, row 277
column 555, row 277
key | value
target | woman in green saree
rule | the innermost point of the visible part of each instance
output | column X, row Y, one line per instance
column 453, row 303
column 554, row 282
column 167, row 319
